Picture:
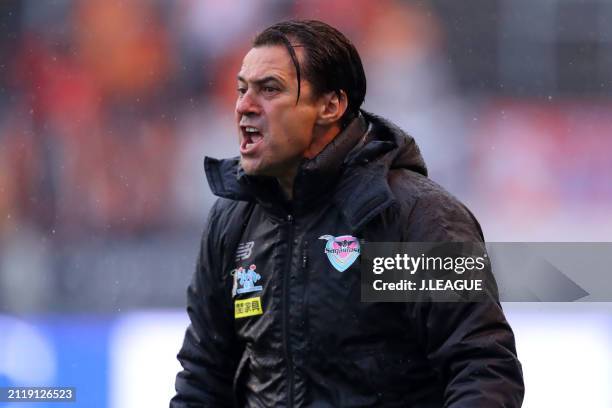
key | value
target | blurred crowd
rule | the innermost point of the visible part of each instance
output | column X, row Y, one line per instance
column 94, row 99
column 107, row 108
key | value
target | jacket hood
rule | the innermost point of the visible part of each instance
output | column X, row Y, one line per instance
column 406, row 153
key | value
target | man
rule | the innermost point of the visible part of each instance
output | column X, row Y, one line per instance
column 275, row 322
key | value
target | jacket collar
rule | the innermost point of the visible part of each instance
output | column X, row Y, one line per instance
column 344, row 172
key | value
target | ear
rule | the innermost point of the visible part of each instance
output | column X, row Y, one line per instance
column 333, row 105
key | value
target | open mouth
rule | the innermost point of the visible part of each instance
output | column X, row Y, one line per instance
column 251, row 137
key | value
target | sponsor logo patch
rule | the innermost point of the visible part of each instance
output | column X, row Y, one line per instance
column 244, row 250
column 247, row 307
column 246, row 279
column 341, row 251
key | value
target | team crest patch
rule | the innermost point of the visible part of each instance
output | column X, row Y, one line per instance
column 245, row 280
column 341, row 251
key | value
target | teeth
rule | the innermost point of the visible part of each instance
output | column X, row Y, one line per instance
column 251, row 129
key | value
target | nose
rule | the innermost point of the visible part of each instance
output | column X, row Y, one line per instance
column 247, row 104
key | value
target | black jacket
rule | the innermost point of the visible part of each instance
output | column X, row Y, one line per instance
column 307, row 340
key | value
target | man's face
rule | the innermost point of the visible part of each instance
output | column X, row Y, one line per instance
column 274, row 132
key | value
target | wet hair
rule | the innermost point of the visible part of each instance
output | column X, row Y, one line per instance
column 331, row 62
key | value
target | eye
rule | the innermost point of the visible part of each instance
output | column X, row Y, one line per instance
column 269, row 89
column 241, row 90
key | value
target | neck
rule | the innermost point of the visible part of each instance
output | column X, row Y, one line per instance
column 321, row 138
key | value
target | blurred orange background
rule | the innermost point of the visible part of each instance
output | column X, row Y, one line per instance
column 107, row 108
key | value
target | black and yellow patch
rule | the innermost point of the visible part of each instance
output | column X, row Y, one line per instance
column 247, row 307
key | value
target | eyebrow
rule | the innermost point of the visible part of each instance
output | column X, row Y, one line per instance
column 262, row 80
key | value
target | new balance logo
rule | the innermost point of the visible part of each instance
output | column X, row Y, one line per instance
column 244, row 250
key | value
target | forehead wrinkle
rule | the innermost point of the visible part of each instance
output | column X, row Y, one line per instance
column 263, row 80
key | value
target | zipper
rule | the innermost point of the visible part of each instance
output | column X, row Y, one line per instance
column 306, row 277
column 305, row 255
column 286, row 277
